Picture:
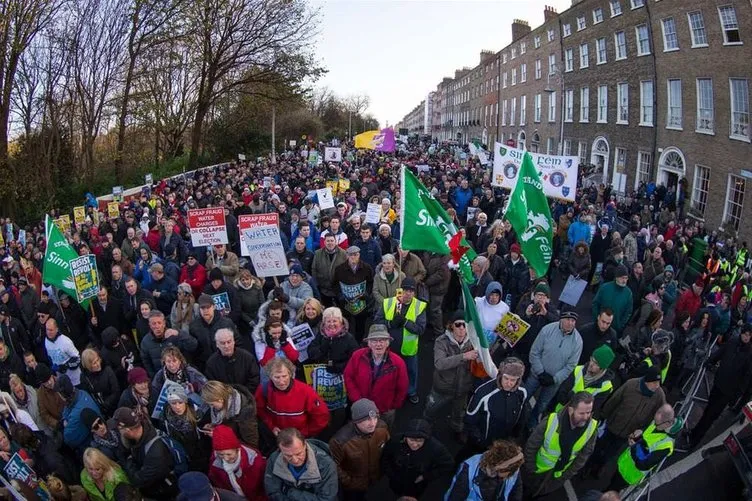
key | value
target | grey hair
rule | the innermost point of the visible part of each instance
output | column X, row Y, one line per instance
column 388, row 257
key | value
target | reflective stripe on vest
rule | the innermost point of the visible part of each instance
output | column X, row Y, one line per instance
column 409, row 340
column 549, row 453
column 741, row 257
column 579, row 385
column 664, row 370
column 656, row 441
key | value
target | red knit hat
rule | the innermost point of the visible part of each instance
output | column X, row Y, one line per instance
column 223, row 438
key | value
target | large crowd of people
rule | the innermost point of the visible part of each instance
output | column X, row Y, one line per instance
column 157, row 391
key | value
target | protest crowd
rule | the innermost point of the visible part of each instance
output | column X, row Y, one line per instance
column 198, row 372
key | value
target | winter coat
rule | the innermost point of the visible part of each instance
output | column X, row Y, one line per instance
column 494, row 413
column 437, row 274
column 239, row 369
column 358, row 456
column 389, row 388
column 15, row 336
column 229, row 265
column 318, row 481
column 383, row 287
column 555, row 353
column 354, row 301
column 370, row 251
column 75, row 433
column 29, row 305
column 196, row 380
column 109, row 485
column 232, row 296
column 412, row 266
column 630, row 248
column 203, row 334
column 251, row 480
column 516, row 279
column 490, row 315
column 451, row 374
column 11, row 365
column 578, row 232
column 402, row 465
column 599, row 246
column 323, row 270
column 245, row 422
column 31, row 406
column 150, row 470
column 167, row 289
column 628, row 409
column 733, row 375
column 619, row 299
column 579, row 265
column 299, row 406
column 131, row 308
column 151, row 349
column 194, row 276
column 51, row 406
column 334, row 352
column 112, row 355
column 103, row 387
column 565, row 390
column 296, row 295
column 250, row 301
column 471, row 483
column 592, row 338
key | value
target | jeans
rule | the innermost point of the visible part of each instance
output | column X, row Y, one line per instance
column 412, row 374
column 438, row 401
column 547, row 394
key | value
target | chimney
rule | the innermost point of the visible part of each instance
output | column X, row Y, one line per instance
column 485, row 55
column 549, row 13
column 520, row 28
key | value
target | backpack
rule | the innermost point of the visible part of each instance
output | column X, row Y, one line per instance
column 177, row 451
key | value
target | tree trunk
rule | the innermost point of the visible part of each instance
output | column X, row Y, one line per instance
column 122, row 118
column 201, row 110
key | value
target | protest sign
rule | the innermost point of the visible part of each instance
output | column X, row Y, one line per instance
column 117, row 193
column 148, row 179
column 79, row 215
column 2, row 240
column 373, row 214
column 22, row 237
column 113, row 210
column 207, row 226
column 472, row 212
column 261, row 241
column 573, row 290
column 330, row 387
column 333, row 185
column 511, row 328
column 241, row 157
column 597, row 275
column 222, row 302
column 344, row 185
column 293, row 143
column 85, row 276
column 326, row 199
column 267, row 182
column 63, row 223
column 313, row 158
column 162, row 399
column 558, row 173
column 17, row 469
column 302, row 336
column 333, row 154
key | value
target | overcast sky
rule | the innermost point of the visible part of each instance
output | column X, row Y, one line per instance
column 396, row 51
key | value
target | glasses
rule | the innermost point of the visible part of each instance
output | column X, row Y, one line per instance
column 459, row 324
column 97, row 424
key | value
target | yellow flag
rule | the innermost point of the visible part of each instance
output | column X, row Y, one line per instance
column 365, row 139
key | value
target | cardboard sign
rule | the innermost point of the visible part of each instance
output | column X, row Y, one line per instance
column 113, row 210
column 573, row 290
column 511, row 328
column 17, row 469
column 79, row 215
column 302, row 336
column 333, row 185
column 85, row 276
column 313, row 158
column 248, row 221
column 63, row 223
column 148, row 179
column 241, row 157
column 373, row 213
column 117, row 193
column 326, row 199
column 162, row 399
column 267, row 182
column 207, row 226
column 22, row 237
column 330, row 387
column 293, row 143
column 264, row 245
column 222, row 302
column 333, row 154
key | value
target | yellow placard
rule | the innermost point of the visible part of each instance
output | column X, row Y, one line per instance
column 344, row 185
column 113, row 210
column 79, row 215
column 63, row 223
column 511, row 328
column 334, row 185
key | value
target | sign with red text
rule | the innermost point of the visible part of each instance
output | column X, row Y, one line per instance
column 260, row 240
column 207, row 226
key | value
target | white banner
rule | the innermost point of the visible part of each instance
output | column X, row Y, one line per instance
column 373, row 214
column 332, row 154
column 265, row 247
column 326, row 199
column 558, row 173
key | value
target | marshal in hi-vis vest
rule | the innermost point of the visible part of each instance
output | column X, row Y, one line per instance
column 655, row 441
column 549, row 453
column 409, row 340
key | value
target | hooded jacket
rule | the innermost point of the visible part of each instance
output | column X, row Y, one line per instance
column 251, row 480
column 358, row 455
column 579, row 265
column 75, row 433
column 451, row 374
column 318, row 481
column 490, row 315
column 616, row 297
column 383, row 287
column 494, row 413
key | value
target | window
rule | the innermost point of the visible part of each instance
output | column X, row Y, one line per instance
column 602, row 104
column 552, row 106
column 514, row 52
column 551, row 64
column 504, row 113
column 568, row 105
column 646, row 103
column 620, row 45
column 597, row 15
column 523, row 72
column 551, row 35
column 670, row 41
column 636, row 4
column 512, row 110
column 550, row 146
column 567, row 147
column 537, row 69
column 643, row 42
column 697, row 29
column 537, row 108
column 536, row 41
column 585, row 104
column 567, row 29
column 581, row 23
column 615, row 8
column 600, row 51
column 644, row 160
column 504, row 58
column 582, row 151
column 569, row 60
column 622, row 97
column 734, row 200
column 705, row 105
column 504, row 80
column 523, row 47
column 700, row 188
column 674, row 117
column 729, row 25
column 621, row 159
column 739, row 108
column 523, row 109
column 584, row 56
column 514, row 76
column 496, row 115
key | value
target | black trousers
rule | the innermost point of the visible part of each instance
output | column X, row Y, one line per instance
column 717, row 402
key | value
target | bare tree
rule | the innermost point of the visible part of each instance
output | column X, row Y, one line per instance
column 356, row 104
column 319, row 98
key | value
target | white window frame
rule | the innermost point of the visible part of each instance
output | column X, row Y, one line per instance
column 512, row 110
column 538, row 69
column 569, row 105
column 582, row 151
column 601, row 53
column 670, row 38
column 552, row 106
column 705, row 107
column 551, row 35
column 674, row 107
column 514, row 52
column 700, row 189
column 700, row 28
column 581, row 23
column 636, row 4
column 584, row 105
column 537, row 108
column 638, row 40
column 584, row 55
column 615, row 8
column 567, row 147
column 622, row 103
column 620, row 45
column 644, row 165
column 551, row 64
column 620, row 159
column 523, row 47
column 602, row 111
column 566, row 30
column 523, row 109
column 504, row 113
column 732, row 189
column 536, row 42
column 568, row 60
column 597, row 15
column 726, row 29
column 504, row 80
column 504, row 58
column 514, row 76
column 647, row 108
column 740, row 130
column 523, row 73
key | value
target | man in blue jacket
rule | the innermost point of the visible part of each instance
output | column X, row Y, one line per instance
column 461, row 199
column 76, row 434
column 579, row 231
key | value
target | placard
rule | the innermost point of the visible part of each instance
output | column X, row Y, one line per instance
column 17, row 469
column 333, row 185
column 511, row 328
column 264, row 245
column 22, row 237
column 302, row 336
column 207, row 226
column 162, row 399
column 85, row 277
column 313, row 158
column 573, row 290
column 241, row 157
column 117, row 193
column 222, row 302
column 267, row 182
column 63, row 223
column 373, row 213
column 293, row 143
column 333, row 154
column 344, row 185
column 558, row 173
column 330, row 387
column 148, row 179
column 248, row 221
column 113, row 210
column 326, row 199
column 79, row 215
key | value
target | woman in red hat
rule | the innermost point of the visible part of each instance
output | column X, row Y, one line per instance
column 236, row 467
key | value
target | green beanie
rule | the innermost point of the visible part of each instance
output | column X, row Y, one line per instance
column 604, row 356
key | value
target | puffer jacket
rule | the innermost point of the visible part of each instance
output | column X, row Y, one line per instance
column 299, row 406
column 104, row 388
column 451, row 375
column 358, row 456
column 382, row 287
column 388, row 390
column 318, row 481
column 579, row 265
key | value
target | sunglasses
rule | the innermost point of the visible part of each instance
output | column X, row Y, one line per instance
column 459, row 324
column 97, row 424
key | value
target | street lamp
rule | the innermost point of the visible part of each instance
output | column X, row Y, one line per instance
column 558, row 79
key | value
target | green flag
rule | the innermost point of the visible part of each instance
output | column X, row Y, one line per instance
column 530, row 216
column 425, row 225
column 56, row 271
column 475, row 332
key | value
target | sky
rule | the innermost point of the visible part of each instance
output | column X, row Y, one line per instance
column 397, row 51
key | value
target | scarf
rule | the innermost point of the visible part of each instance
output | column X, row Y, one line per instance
column 231, row 409
column 140, row 400
column 234, row 472
column 180, row 376
column 240, row 284
column 331, row 333
column 110, row 441
column 179, row 423
column 587, row 378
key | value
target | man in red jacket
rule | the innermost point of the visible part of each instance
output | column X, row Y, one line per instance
column 690, row 300
column 377, row 374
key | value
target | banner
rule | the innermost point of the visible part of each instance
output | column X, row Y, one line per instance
column 332, row 154
column 302, row 336
column 379, row 140
column 330, row 387
column 260, row 237
column 85, row 276
column 511, row 328
column 113, row 210
column 207, row 226
column 17, row 469
column 117, row 193
column 326, row 199
column 530, row 216
column 373, row 213
column 79, row 215
column 558, row 174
